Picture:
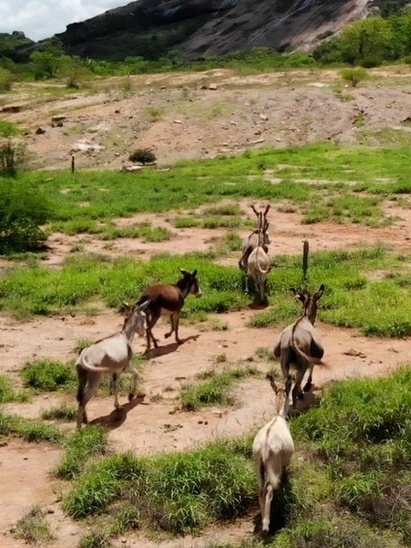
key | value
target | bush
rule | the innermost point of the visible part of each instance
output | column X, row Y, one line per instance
column 143, row 155
column 22, row 212
column 6, row 80
column 354, row 75
column 12, row 155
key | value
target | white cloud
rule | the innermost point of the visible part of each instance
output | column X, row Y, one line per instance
column 40, row 19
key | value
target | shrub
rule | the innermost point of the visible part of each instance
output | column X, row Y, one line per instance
column 354, row 75
column 11, row 156
column 6, row 80
column 23, row 210
column 143, row 155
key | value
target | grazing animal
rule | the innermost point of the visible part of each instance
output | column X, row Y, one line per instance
column 258, row 235
column 110, row 355
column 168, row 299
column 258, row 266
column 273, row 448
column 300, row 345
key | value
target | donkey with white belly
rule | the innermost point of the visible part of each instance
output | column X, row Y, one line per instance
column 111, row 355
column 300, row 344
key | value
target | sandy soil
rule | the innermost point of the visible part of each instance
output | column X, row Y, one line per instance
column 157, row 424
column 206, row 114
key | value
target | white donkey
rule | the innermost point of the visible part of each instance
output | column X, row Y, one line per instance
column 259, row 234
column 258, row 263
column 273, row 448
column 111, row 355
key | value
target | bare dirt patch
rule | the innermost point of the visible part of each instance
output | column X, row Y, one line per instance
column 206, row 114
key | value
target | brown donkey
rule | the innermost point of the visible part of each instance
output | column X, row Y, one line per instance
column 168, row 300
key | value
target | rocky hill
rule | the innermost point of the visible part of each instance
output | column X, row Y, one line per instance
column 203, row 28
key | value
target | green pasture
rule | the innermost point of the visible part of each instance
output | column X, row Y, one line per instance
column 344, row 185
column 368, row 289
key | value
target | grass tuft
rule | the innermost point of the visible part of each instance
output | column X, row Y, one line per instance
column 215, row 388
column 33, row 529
column 48, row 375
column 80, row 447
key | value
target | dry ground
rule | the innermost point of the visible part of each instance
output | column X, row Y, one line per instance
column 289, row 100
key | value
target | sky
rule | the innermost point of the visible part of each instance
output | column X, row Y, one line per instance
column 40, row 19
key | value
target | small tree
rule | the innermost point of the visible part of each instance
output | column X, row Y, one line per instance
column 366, row 39
column 23, row 210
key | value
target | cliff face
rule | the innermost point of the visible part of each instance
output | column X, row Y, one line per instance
column 203, row 28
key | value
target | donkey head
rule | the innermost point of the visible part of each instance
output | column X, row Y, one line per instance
column 281, row 403
column 190, row 283
column 136, row 319
column 309, row 301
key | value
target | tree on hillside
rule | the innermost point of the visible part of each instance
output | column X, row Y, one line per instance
column 366, row 42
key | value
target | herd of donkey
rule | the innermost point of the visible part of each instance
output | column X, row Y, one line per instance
column 299, row 345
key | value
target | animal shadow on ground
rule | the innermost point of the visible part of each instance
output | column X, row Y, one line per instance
column 281, row 506
column 117, row 416
column 168, row 348
column 308, row 401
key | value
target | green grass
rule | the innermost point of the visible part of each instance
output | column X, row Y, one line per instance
column 178, row 492
column 361, row 432
column 143, row 231
column 6, row 392
column 95, row 539
column 47, row 375
column 189, row 185
column 366, row 289
column 64, row 412
column 80, row 446
column 214, row 387
column 349, row 481
column 29, row 430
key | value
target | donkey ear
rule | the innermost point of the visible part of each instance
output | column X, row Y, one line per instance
column 194, row 274
column 298, row 294
column 320, row 292
column 125, row 306
column 183, row 272
column 270, row 377
column 141, row 307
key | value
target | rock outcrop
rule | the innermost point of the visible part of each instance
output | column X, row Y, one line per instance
column 204, row 28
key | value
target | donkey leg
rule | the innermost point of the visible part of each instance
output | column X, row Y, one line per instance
column 267, row 507
column 174, row 321
column 309, row 382
column 93, row 382
column 115, row 390
column 297, row 392
column 133, row 385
